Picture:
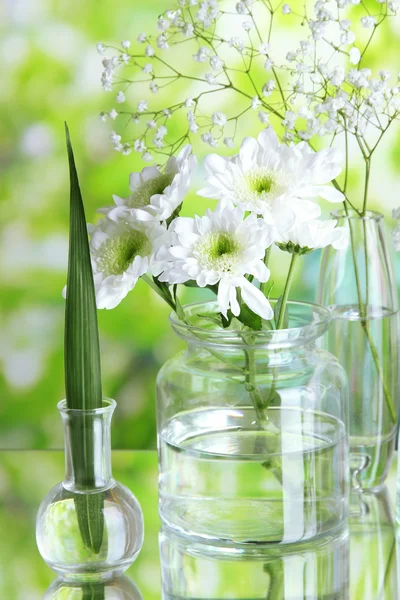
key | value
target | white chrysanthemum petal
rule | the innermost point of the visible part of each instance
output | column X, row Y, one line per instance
column 213, row 163
column 248, row 153
column 315, row 234
column 268, row 139
column 256, row 300
column 284, row 216
column 223, row 297
column 306, row 210
column 329, row 193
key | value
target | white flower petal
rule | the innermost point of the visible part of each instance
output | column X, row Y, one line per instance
column 223, row 297
column 256, row 300
column 329, row 193
column 248, row 153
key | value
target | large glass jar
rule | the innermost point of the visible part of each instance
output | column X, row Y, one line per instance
column 252, row 432
column 357, row 283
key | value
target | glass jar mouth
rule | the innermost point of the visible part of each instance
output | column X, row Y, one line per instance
column 369, row 215
column 307, row 322
column 108, row 407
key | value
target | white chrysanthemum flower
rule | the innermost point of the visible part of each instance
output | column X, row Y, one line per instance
column 306, row 237
column 121, row 253
column 274, row 180
column 155, row 195
column 221, row 248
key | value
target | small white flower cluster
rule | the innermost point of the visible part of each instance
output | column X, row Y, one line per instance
column 266, row 194
column 324, row 87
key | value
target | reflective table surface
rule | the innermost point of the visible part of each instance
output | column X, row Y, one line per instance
column 357, row 563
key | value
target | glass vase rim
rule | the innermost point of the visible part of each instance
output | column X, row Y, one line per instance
column 267, row 338
column 369, row 215
column 109, row 405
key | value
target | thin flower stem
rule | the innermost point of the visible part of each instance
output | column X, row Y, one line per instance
column 251, row 385
column 375, row 356
column 346, row 172
column 382, row 593
column 365, row 325
column 366, row 261
column 286, row 291
column 367, row 175
column 281, row 317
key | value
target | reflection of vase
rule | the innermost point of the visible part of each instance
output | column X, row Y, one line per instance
column 358, row 285
column 251, row 426
column 119, row 588
column 97, row 530
column 309, row 571
column 373, row 573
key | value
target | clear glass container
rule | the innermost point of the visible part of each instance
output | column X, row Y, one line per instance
column 252, row 432
column 120, row 588
column 95, row 530
column 317, row 570
column 373, row 544
column 358, row 285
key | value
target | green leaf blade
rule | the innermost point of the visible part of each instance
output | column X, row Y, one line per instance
column 82, row 365
column 82, row 349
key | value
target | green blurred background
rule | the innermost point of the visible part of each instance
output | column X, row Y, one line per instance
column 50, row 72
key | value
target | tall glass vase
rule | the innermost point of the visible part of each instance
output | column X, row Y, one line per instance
column 95, row 531
column 358, row 285
column 252, row 432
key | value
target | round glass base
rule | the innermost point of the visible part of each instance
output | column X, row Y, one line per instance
column 92, row 536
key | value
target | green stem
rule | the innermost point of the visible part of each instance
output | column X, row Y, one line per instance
column 286, row 291
column 366, row 261
column 381, row 374
column 356, row 273
column 276, row 584
column 365, row 325
column 251, row 385
column 382, row 593
column 281, row 317
column 367, row 175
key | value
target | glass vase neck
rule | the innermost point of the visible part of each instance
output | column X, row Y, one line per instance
column 359, row 277
column 306, row 323
column 87, row 440
column 353, row 215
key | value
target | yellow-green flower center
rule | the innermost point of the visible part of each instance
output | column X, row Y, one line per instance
column 259, row 187
column 219, row 251
column 118, row 253
column 141, row 197
column 261, row 182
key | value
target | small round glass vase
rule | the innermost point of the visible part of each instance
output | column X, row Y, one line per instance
column 89, row 527
column 252, row 432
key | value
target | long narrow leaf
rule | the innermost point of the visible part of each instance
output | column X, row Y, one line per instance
column 82, row 364
column 82, row 352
